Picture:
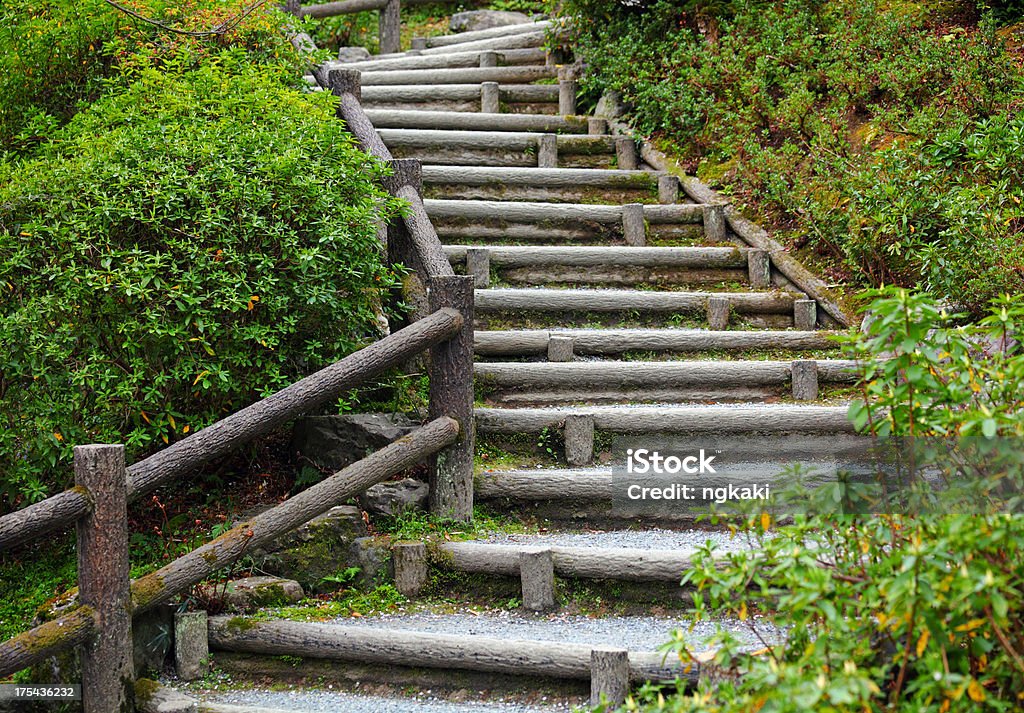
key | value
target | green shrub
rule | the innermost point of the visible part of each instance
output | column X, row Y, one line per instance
column 879, row 136
column 179, row 249
column 885, row 612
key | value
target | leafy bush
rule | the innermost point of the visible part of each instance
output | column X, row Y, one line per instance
column 887, row 612
column 883, row 137
column 178, row 250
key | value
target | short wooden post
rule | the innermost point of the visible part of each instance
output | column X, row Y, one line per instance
column 547, row 151
column 634, row 230
column 805, row 314
column 537, row 573
column 596, row 126
column 759, row 268
column 668, row 189
column 191, row 645
column 488, row 59
column 390, row 27
column 714, row 222
column 718, row 312
column 418, row 43
column 478, row 265
column 410, row 561
column 567, row 89
column 451, row 394
column 103, row 579
column 490, row 98
column 293, row 7
column 560, row 348
column 579, row 439
column 626, row 157
column 609, row 675
column 804, row 375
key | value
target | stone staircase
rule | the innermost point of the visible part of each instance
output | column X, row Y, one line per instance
column 608, row 304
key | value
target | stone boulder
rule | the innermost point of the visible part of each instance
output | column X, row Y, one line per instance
column 473, row 20
column 334, row 442
column 395, row 497
column 352, row 54
column 251, row 593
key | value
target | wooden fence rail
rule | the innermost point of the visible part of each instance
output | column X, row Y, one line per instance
column 389, row 23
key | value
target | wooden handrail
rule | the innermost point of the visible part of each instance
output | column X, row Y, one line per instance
column 191, row 453
column 46, row 640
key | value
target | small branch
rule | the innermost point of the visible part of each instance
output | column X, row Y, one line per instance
column 220, row 29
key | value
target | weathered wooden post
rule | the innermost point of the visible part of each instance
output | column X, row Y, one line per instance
column 490, row 98
column 103, row 579
column 804, row 377
column 759, row 268
column 191, row 645
column 668, row 189
column 579, row 439
column 478, row 264
column 390, row 27
column 547, row 151
column 451, row 394
column 714, row 222
column 560, row 348
column 634, row 228
column 805, row 314
column 609, row 675
column 537, row 575
column 410, row 562
column 567, row 89
column 626, row 156
column 718, row 312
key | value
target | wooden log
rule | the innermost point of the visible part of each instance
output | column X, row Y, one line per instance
column 419, row 237
column 759, row 268
column 537, row 576
column 515, row 74
column 560, row 349
column 805, row 314
column 488, row 140
column 344, row 7
column 617, row 341
column 588, row 256
column 548, row 177
column 579, row 439
column 597, row 126
column 103, row 578
column 191, row 645
column 714, row 222
column 675, row 419
column 521, row 40
column 719, row 308
column 547, row 151
column 419, row 93
column 416, row 648
column 583, row 375
column 490, row 58
column 410, row 561
column 679, row 213
column 543, row 486
column 36, row 645
column 345, row 84
column 389, row 26
column 400, row 119
column 464, row 38
column 56, row 512
column 567, row 91
column 536, row 212
column 486, row 58
column 418, row 44
column 626, row 156
column 634, row 228
column 545, row 300
column 805, row 379
column 178, row 576
column 668, row 189
column 490, row 101
column 451, row 395
column 609, row 676
column 478, row 264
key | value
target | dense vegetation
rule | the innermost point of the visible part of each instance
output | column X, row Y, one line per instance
column 883, row 136
column 199, row 234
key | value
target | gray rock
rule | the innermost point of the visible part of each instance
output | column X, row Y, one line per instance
column 473, row 20
column 396, row 497
column 374, row 558
column 251, row 593
column 609, row 106
column 321, row 548
column 333, row 442
column 352, row 54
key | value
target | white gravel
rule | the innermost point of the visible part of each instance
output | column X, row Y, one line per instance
column 637, row 633
column 654, row 539
column 319, row 701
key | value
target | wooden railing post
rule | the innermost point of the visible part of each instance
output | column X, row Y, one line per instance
column 451, row 394
column 103, row 579
column 390, row 27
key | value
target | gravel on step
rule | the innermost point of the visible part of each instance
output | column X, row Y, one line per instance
column 654, row 539
column 637, row 633
column 319, row 701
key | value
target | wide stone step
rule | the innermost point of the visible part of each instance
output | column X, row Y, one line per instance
column 464, row 121
column 714, row 419
column 453, row 60
column 530, row 342
column 516, row 74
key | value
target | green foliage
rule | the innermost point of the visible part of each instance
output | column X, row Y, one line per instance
column 880, row 135
column 183, row 247
column 885, row 612
column 418, row 525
